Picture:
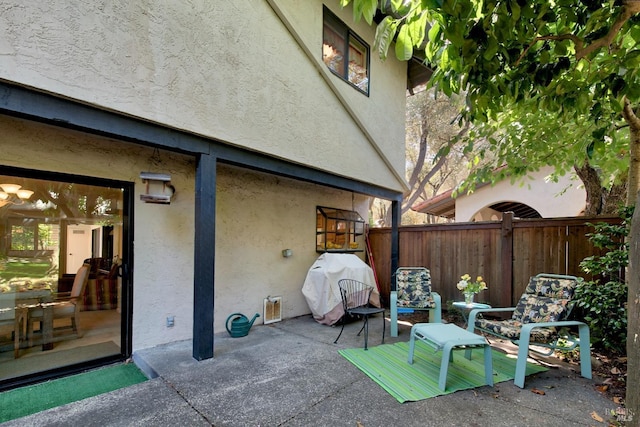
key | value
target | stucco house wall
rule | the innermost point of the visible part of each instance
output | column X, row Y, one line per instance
column 258, row 216
column 163, row 271
column 255, row 223
column 228, row 70
column 564, row 198
column 248, row 74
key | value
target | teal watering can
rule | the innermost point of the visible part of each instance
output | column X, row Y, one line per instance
column 240, row 324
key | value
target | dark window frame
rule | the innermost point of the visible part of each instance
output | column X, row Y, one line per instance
column 350, row 43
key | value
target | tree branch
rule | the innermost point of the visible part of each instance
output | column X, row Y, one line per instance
column 629, row 8
column 424, row 137
column 630, row 116
column 576, row 40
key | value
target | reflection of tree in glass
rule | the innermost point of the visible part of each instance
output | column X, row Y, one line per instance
column 53, row 199
column 358, row 76
column 71, row 200
column 332, row 58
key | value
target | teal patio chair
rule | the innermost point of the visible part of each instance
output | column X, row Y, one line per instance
column 539, row 319
column 413, row 291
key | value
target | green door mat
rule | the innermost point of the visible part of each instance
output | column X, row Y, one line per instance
column 28, row 400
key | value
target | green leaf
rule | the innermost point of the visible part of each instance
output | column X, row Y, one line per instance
column 491, row 49
column 366, row 8
column 431, row 4
column 634, row 32
column 632, row 59
column 444, row 59
column 515, row 10
column 455, row 33
column 430, row 51
column 417, row 29
column 404, row 44
column 455, row 61
column 434, row 31
column 560, row 48
column 396, row 5
column 445, row 86
column 444, row 151
column 369, row 8
column 357, row 10
column 385, row 32
column 590, row 149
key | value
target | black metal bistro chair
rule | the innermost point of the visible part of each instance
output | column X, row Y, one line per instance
column 355, row 300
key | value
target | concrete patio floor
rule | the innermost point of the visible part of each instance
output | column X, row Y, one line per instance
column 290, row 374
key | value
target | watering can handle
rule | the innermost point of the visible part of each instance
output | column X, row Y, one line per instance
column 231, row 317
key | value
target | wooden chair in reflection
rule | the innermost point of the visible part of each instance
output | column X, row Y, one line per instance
column 64, row 306
column 14, row 317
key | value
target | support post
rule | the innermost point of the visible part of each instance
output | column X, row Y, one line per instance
column 396, row 214
column 204, row 257
column 506, row 261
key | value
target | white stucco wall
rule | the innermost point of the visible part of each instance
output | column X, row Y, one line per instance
column 564, row 198
column 163, row 234
column 258, row 216
column 229, row 70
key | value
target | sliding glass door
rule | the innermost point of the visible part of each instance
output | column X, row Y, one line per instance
column 63, row 243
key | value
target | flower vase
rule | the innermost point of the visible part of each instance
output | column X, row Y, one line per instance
column 468, row 297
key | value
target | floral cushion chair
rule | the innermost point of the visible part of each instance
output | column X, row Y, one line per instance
column 542, row 310
column 413, row 290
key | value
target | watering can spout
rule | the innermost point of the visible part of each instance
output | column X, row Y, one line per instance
column 254, row 319
column 238, row 324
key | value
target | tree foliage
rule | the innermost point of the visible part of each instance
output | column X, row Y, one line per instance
column 432, row 129
column 554, row 63
column 533, row 72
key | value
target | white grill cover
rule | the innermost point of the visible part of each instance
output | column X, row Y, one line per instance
column 321, row 285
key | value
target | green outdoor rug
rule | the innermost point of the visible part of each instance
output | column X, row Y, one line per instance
column 387, row 365
column 28, row 400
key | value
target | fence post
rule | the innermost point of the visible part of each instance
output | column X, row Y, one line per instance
column 396, row 215
column 506, row 260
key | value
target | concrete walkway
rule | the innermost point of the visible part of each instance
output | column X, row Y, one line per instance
column 290, row 374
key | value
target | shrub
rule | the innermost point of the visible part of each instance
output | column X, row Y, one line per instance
column 602, row 302
column 603, row 307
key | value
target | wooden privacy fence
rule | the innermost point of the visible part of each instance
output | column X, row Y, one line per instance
column 505, row 253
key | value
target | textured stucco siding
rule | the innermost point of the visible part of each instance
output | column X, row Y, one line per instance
column 229, row 70
column 257, row 216
column 163, row 234
column 254, row 224
column 239, row 72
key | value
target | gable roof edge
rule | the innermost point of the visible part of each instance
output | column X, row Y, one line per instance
column 326, row 75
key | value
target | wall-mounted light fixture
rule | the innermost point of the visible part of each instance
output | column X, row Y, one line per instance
column 159, row 188
column 13, row 194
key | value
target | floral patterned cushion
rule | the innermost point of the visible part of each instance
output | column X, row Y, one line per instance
column 532, row 308
column 551, row 287
column 414, row 288
column 510, row 329
column 545, row 299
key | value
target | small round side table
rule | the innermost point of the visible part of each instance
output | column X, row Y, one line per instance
column 465, row 308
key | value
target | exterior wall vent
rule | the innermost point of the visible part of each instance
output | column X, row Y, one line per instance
column 272, row 309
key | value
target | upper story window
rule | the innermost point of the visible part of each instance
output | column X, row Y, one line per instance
column 346, row 54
